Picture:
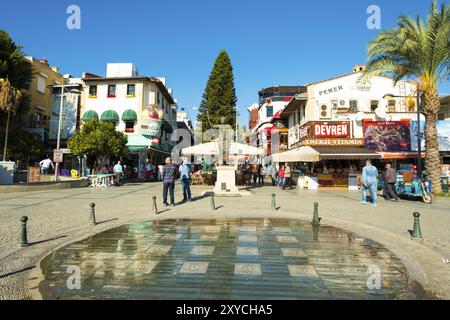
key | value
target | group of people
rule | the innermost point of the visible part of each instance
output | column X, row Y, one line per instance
column 281, row 177
column 370, row 183
column 170, row 172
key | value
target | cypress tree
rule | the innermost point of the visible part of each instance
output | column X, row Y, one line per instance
column 219, row 98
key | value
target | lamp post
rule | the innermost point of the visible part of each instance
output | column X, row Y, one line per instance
column 419, row 138
column 58, row 140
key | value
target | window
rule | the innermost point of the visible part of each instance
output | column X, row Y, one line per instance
column 41, row 84
column 131, row 90
column 373, row 105
column 158, row 97
column 269, row 111
column 92, row 91
column 353, row 105
column 111, row 91
column 129, row 126
column 391, row 106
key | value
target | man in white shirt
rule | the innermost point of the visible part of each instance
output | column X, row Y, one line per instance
column 45, row 165
column 118, row 172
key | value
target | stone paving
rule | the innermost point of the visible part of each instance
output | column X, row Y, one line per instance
column 60, row 217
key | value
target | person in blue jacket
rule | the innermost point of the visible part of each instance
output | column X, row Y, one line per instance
column 169, row 175
column 369, row 182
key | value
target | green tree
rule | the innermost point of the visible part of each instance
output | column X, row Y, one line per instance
column 98, row 138
column 419, row 51
column 24, row 144
column 15, row 75
column 219, row 98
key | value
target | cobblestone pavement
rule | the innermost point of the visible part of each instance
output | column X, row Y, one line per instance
column 62, row 216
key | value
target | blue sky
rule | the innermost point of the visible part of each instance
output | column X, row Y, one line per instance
column 284, row 42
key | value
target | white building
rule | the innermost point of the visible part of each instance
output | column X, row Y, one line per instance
column 140, row 106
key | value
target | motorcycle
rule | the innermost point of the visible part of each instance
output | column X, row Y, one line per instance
column 409, row 185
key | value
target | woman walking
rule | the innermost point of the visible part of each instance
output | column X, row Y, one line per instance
column 281, row 177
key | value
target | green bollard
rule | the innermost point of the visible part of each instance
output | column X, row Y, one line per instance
column 316, row 219
column 212, row 203
column 416, row 233
column 154, row 207
column 92, row 216
column 274, row 205
column 315, row 228
column 23, row 239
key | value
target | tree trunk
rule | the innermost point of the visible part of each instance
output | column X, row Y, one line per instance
column 432, row 161
column 5, row 149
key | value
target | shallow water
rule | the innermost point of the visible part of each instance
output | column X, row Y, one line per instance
column 224, row 259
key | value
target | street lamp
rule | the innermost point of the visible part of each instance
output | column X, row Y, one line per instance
column 61, row 105
column 419, row 144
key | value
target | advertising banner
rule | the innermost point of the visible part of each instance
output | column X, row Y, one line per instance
column 330, row 130
column 443, row 130
column 68, row 119
column 387, row 136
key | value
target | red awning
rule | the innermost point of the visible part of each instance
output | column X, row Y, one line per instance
column 276, row 116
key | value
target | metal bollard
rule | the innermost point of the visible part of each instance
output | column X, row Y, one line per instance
column 212, row 202
column 274, row 205
column 23, row 239
column 416, row 233
column 92, row 215
column 154, row 206
column 316, row 219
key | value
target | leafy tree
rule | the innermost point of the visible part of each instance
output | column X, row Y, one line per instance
column 98, row 138
column 219, row 98
column 15, row 75
column 420, row 51
column 23, row 144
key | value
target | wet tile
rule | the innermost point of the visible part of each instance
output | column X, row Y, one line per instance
column 247, row 229
column 287, row 239
column 209, row 237
column 171, row 236
column 282, row 229
column 293, row 252
column 143, row 266
column 248, row 238
column 194, row 267
column 248, row 269
column 158, row 249
column 212, row 229
column 247, row 251
column 202, row 250
column 306, row 271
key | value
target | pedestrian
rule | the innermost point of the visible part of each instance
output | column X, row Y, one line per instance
column 281, row 176
column 254, row 173
column 185, row 177
column 169, row 175
column 148, row 171
column 390, row 178
column 273, row 174
column 45, row 165
column 260, row 175
column 287, row 177
column 369, row 182
column 118, row 172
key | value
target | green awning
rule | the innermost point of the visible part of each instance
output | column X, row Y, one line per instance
column 110, row 115
column 90, row 115
column 129, row 115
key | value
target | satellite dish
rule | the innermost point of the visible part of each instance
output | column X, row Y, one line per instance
column 359, row 116
column 380, row 112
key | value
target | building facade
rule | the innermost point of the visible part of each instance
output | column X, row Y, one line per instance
column 140, row 106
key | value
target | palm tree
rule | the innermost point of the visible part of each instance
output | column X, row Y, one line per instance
column 417, row 51
column 9, row 100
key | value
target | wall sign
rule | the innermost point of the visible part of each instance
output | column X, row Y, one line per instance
column 150, row 127
column 330, row 130
column 333, row 142
column 387, row 136
column 331, row 90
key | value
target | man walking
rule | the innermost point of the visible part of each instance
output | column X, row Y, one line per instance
column 288, row 177
column 45, row 165
column 169, row 175
column 390, row 178
column 369, row 182
column 118, row 172
column 185, row 177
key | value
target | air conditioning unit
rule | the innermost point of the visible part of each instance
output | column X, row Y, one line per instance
column 324, row 111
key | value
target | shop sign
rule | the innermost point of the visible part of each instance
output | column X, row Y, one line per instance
column 58, row 156
column 303, row 132
column 333, row 142
column 330, row 130
column 331, row 90
column 387, row 136
column 150, row 127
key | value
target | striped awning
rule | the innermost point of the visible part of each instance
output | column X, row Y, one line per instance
column 129, row 115
column 110, row 115
column 90, row 115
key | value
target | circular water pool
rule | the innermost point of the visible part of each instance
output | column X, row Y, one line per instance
column 223, row 259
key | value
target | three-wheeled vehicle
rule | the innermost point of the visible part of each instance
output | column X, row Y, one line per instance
column 408, row 185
